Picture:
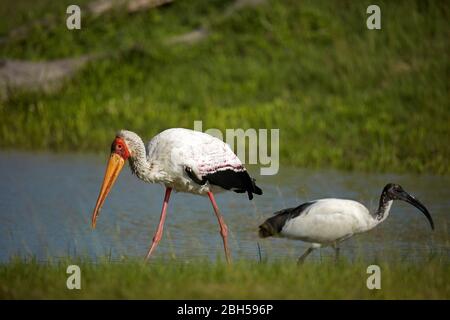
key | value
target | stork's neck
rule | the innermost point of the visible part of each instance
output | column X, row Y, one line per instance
column 139, row 163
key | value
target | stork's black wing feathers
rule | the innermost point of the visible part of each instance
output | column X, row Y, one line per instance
column 194, row 178
column 229, row 179
column 237, row 181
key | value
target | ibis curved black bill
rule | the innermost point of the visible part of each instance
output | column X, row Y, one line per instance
column 115, row 165
column 416, row 203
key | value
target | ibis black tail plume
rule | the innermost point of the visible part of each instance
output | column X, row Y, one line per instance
column 274, row 225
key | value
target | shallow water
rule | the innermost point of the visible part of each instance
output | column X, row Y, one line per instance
column 46, row 201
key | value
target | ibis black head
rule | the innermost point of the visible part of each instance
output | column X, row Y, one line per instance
column 394, row 191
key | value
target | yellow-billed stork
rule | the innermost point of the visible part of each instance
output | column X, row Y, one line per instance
column 327, row 222
column 183, row 160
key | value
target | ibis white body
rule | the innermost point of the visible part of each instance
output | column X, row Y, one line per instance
column 327, row 221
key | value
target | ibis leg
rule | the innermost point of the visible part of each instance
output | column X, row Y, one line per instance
column 159, row 231
column 336, row 257
column 223, row 227
column 304, row 255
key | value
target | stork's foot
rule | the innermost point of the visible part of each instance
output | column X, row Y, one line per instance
column 155, row 242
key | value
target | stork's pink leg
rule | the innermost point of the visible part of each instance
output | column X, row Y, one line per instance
column 223, row 226
column 159, row 231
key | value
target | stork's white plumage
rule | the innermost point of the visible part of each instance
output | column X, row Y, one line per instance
column 186, row 161
column 327, row 222
column 182, row 160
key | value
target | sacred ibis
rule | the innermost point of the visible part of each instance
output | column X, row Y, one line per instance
column 327, row 222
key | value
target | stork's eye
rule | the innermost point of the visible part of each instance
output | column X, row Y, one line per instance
column 119, row 146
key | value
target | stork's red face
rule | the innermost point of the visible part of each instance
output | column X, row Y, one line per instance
column 119, row 154
column 119, row 147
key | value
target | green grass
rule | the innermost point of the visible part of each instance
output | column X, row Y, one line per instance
column 243, row 280
column 342, row 96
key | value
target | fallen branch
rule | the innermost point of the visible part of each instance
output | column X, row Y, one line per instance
column 44, row 76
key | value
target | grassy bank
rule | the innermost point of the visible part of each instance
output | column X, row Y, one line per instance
column 243, row 280
column 342, row 96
